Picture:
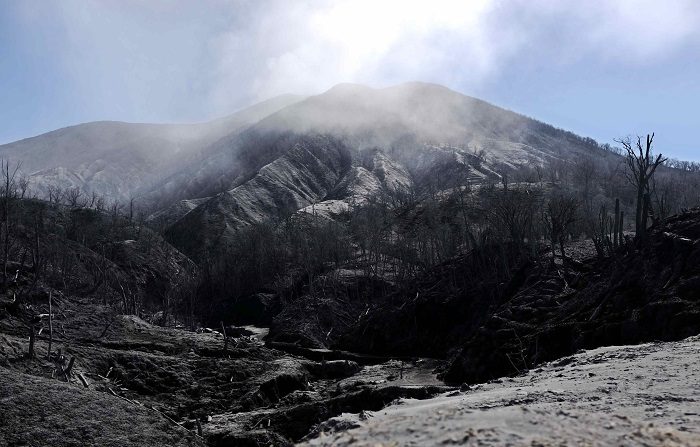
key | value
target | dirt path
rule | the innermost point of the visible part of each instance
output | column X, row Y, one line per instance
column 645, row 395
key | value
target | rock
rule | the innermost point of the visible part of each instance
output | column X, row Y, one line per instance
column 333, row 369
column 332, row 425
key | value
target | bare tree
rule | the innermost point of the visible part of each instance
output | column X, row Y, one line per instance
column 73, row 197
column 539, row 170
column 559, row 214
column 55, row 194
column 665, row 192
column 585, row 175
column 511, row 213
column 23, row 185
column 8, row 195
column 641, row 165
column 100, row 203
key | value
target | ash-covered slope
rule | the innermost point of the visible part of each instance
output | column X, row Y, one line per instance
column 410, row 137
column 120, row 160
column 427, row 113
column 305, row 174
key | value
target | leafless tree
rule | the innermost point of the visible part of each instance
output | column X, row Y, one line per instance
column 100, row 203
column 23, row 186
column 585, row 171
column 55, row 194
column 559, row 214
column 641, row 165
column 8, row 195
column 73, row 197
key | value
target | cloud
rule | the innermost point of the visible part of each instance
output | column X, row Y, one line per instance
column 177, row 60
column 306, row 46
column 129, row 58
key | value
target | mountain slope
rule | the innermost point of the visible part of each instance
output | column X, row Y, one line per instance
column 427, row 112
column 410, row 137
column 120, row 160
column 303, row 175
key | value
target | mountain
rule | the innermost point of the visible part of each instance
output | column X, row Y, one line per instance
column 120, row 160
column 321, row 154
column 354, row 143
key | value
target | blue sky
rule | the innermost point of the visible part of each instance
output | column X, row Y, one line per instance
column 603, row 69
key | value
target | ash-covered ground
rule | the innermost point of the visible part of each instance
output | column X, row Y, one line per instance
column 644, row 395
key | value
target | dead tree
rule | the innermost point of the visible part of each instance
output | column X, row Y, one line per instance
column 620, row 228
column 73, row 197
column 641, row 165
column 69, row 368
column 32, row 338
column 9, row 196
column 585, row 174
column 601, row 233
column 559, row 214
column 223, row 332
column 48, row 352
column 616, row 224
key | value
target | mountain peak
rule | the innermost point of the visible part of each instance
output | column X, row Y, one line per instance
column 403, row 89
column 346, row 88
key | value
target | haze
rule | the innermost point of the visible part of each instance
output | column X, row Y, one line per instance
column 601, row 69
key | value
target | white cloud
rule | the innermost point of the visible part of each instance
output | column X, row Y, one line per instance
column 183, row 60
column 310, row 45
column 307, row 46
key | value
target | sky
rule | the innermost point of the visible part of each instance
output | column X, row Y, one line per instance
column 601, row 68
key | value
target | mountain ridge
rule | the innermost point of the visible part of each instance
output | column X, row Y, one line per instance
column 127, row 156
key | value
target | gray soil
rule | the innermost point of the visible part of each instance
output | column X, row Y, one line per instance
column 133, row 383
column 644, row 395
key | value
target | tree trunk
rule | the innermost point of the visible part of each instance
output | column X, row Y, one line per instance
column 32, row 336
column 48, row 352
column 223, row 332
column 621, row 227
column 645, row 217
column 616, row 224
column 638, row 212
